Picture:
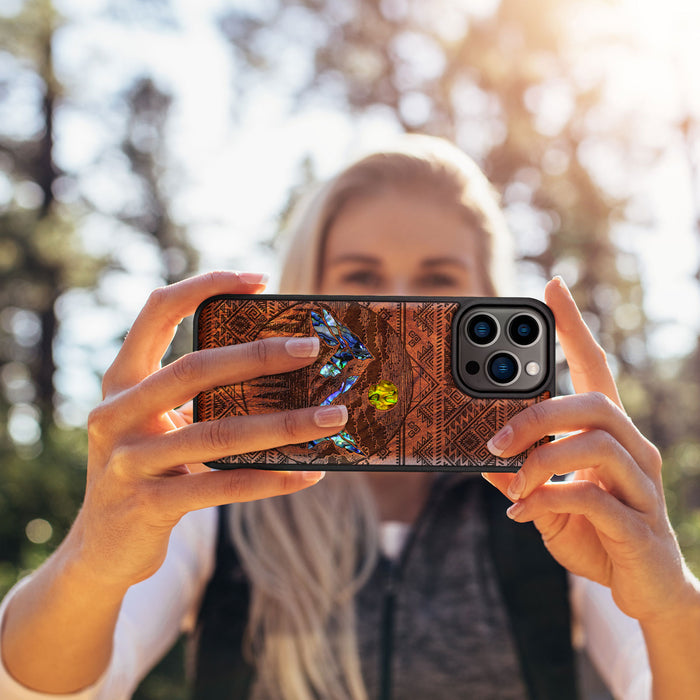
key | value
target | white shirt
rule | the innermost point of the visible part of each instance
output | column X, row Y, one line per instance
column 156, row 611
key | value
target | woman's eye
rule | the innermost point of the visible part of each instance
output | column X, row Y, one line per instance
column 438, row 281
column 362, row 278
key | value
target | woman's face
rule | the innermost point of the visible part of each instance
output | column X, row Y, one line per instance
column 400, row 243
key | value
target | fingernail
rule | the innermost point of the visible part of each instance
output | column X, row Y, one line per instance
column 313, row 477
column 515, row 510
column 330, row 416
column 516, row 486
column 500, row 441
column 302, row 347
column 560, row 281
column 253, row 277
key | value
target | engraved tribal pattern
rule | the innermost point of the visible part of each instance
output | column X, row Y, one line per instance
column 432, row 424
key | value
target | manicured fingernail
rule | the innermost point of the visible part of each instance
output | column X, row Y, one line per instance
column 515, row 510
column 500, row 441
column 516, row 486
column 253, row 277
column 302, row 347
column 331, row 416
column 313, row 477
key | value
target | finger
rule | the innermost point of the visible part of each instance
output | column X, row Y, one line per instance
column 608, row 515
column 153, row 330
column 198, row 371
column 567, row 414
column 213, row 440
column 587, row 361
column 189, row 492
column 501, row 480
column 183, row 415
column 593, row 449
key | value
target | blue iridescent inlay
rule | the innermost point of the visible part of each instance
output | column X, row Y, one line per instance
column 347, row 384
column 335, row 334
column 336, row 364
column 344, row 440
column 347, row 337
column 324, row 333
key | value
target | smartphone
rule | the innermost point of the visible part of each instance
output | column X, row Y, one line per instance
column 427, row 380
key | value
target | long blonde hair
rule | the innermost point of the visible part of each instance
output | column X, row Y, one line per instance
column 307, row 554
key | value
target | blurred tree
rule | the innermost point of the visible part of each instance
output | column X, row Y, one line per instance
column 44, row 208
column 145, row 145
column 40, row 258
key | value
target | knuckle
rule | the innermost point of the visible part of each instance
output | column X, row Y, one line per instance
column 589, row 495
column 212, row 277
column 606, row 445
column 600, row 357
column 654, row 457
column 288, row 427
column 600, row 401
column 120, row 462
column 99, row 421
column 189, row 368
column 539, row 414
column 259, row 352
column 218, row 435
column 237, row 486
column 157, row 298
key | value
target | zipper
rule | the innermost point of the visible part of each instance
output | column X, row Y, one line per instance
column 394, row 576
column 387, row 631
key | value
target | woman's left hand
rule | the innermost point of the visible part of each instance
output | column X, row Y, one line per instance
column 609, row 523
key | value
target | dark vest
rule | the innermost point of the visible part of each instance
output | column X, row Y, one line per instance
column 531, row 588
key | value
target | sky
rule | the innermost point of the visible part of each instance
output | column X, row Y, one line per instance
column 232, row 176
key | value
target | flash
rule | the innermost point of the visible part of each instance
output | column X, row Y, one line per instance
column 532, row 368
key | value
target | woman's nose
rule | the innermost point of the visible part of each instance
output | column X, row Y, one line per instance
column 399, row 287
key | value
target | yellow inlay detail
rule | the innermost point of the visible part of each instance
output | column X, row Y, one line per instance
column 383, row 395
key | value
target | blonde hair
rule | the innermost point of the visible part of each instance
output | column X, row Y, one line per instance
column 433, row 167
column 307, row 554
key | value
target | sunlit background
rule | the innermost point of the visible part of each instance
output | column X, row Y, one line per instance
column 143, row 141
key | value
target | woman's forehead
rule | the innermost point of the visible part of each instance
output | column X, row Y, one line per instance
column 398, row 224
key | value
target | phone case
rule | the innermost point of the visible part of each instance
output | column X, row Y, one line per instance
column 389, row 360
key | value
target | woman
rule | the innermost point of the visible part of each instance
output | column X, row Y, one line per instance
column 419, row 221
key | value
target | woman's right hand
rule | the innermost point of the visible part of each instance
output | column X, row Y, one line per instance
column 145, row 466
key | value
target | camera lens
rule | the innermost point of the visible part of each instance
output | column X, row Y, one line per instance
column 503, row 368
column 523, row 330
column 482, row 329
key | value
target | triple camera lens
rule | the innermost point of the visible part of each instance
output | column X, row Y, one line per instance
column 503, row 347
column 483, row 329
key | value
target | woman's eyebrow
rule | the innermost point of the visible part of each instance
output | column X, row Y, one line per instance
column 355, row 258
column 453, row 262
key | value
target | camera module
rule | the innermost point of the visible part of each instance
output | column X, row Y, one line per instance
column 482, row 329
column 503, row 368
column 524, row 330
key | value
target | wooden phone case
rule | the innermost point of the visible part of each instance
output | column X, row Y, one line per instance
column 428, row 422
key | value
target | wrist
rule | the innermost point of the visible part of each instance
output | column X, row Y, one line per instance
column 682, row 609
column 82, row 563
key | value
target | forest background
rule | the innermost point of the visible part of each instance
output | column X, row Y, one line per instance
column 142, row 141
